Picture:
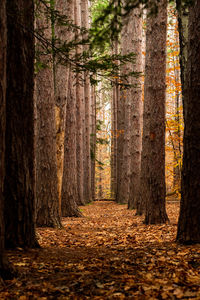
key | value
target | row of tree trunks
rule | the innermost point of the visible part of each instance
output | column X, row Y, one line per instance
column 62, row 186
column 128, row 121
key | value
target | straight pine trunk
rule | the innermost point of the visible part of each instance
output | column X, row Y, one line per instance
column 189, row 219
column 19, row 190
column 47, row 204
column 5, row 269
column 80, row 114
column 87, row 101
column 152, row 187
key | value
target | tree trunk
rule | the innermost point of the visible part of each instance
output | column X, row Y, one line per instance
column 93, row 141
column 47, row 204
column 20, row 169
column 152, row 188
column 189, row 219
column 61, row 77
column 87, row 101
column 136, row 106
column 115, row 94
column 69, row 186
column 5, row 267
column 80, row 115
column 182, row 14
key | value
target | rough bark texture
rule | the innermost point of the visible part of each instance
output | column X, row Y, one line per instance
column 69, row 186
column 115, row 94
column 182, row 14
column 80, row 116
column 136, row 106
column 87, row 101
column 47, row 204
column 189, row 220
column 61, row 77
column 93, row 141
column 122, row 195
column 20, row 175
column 5, row 269
column 152, row 188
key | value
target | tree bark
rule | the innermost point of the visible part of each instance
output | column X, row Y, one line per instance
column 93, row 141
column 61, row 78
column 20, row 169
column 6, row 271
column 136, row 107
column 47, row 204
column 87, row 101
column 189, row 219
column 80, row 115
column 69, row 186
column 152, row 184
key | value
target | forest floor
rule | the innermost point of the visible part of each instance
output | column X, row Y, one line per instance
column 107, row 254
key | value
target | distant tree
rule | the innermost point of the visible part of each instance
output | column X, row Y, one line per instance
column 189, row 219
column 93, row 141
column 69, row 185
column 47, row 202
column 19, row 190
column 152, row 181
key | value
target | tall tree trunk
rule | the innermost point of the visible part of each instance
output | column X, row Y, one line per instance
column 87, row 100
column 124, row 119
column 69, row 186
column 115, row 94
column 93, row 141
column 189, row 219
column 182, row 14
column 152, row 185
column 61, row 78
column 20, row 169
column 136, row 106
column 5, row 268
column 80, row 114
column 47, row 204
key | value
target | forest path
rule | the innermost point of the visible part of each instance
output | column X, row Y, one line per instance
column 107, row 254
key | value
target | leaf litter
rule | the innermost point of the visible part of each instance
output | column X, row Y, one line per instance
column 107, row 254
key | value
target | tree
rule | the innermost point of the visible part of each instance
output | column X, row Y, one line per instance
column 61, row 78
column 47, row 204
column 136, row 106
column 80, row 112
column 189, row 219
column 93, row 140
column 19, row 189
column 87, row 102
column 5, row 268
column 69, row 185
column 152, row 181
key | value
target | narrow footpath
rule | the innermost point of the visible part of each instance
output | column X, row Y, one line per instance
column 107, row 254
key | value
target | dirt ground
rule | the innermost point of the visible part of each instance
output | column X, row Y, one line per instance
column 107, row 254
